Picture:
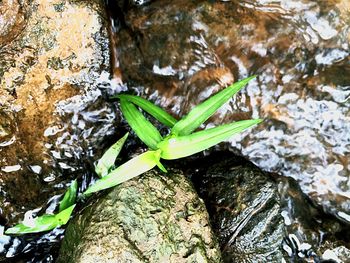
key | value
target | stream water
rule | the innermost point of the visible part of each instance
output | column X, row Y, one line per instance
column 300, row 52
column 178, row 53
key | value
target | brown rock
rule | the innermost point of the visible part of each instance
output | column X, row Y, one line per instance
column 52, row 54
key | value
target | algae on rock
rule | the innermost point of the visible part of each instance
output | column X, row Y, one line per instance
column 153, row 218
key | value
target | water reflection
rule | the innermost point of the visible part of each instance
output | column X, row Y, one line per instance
column 178, row 53
column 300, row 51
column 54, row 116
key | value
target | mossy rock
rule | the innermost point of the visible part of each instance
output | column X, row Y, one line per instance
column 154, row 218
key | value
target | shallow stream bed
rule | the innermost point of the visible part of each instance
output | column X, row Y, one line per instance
column 56, row 118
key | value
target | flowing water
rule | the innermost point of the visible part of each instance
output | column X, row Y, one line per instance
column 300, row 52
column 55, row 120
column 179, row 52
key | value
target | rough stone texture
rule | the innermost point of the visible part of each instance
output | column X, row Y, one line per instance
column 154, row 218
column 180, row 52
column 54, row 58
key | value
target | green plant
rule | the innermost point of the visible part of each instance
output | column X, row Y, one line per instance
column 182, row 141
column 49, row 222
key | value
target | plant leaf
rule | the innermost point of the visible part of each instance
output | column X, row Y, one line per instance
column 159, row 164
column 69, row 197
column 108, row 159
column 157, row 112
column 199, row 114
column 132, row 168
column 142, row 127
column 177, row 147
column 42, row 223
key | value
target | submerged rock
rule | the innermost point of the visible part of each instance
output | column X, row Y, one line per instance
column 180, row 52
column 311, row 235
column 244, row 208
column 260, row 219
column 153, row 218
column 54, row 62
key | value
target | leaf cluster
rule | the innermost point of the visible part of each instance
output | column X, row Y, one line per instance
column 183, row 140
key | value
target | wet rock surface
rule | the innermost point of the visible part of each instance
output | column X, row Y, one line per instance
column 310, row 235
column 180, row 52
column 53, row 73
column 153, row 218
column 261, row 217
column 245, row 211
column 12, row 18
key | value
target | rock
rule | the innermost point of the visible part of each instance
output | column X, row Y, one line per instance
column 244, row 208
column 153, row 218
column 12, row 20
column 311, row 235
column 54, row 66
column 260, row 217
column 180, row 52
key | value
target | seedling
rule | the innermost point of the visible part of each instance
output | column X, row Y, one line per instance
column 48, row 222
column 181, row 142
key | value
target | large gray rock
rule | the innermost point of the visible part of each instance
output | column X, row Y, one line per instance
column 153, row 218
column 180, row 52
column 54, row 60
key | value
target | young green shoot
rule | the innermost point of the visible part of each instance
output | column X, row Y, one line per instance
column 181, row 142
column 42, row 223
column 106, row 163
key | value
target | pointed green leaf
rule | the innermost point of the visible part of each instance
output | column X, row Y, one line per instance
column 203, row 111
column 42, row 223
column 182, row 146
column 142, row 127
column 159, row 164
column 69, row 197
column 157, row 112
column 108, row 159
column 161, row 167
column 128, row 170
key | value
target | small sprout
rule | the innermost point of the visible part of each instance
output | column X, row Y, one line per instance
column 180, row 143
column 203, row 111
column 142, row 127
column 106, row 163
column 155, row 111
column 42, row 223
column 69, row 197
